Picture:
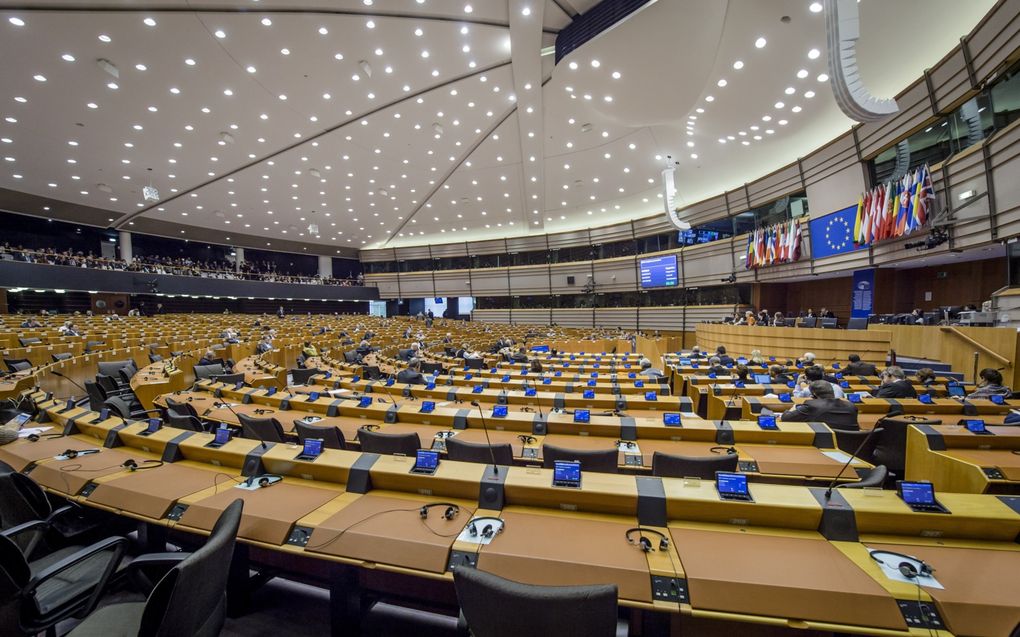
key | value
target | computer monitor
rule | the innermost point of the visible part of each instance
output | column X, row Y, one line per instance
column 312, row 449
column 976, row 426
column 671, row 419
column 762, row 379
column 426, row 461
column 651, row 396
column 588, row 394
column 922, row 493
column 732, row 486
column 270, row 391
column 530, row 391
column 364, row 401
column 567, row 473
column 313, row 396
column 427, row 406
column 768, row 422
column 582, row 416
column 153, row 426
column 956, row 391
column 499, row 411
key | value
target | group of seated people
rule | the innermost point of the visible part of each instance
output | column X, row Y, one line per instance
column 764, row 319
column 181, row 266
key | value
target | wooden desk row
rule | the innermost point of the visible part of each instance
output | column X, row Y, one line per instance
column 955, row 459
column 793, row 558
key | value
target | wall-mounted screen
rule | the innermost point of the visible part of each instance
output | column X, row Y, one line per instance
column 659, row 272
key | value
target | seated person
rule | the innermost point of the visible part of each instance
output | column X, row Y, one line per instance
column 925, row 376
column 823, row 406
column 411, row 375
column 740, row 373
column 858, row 368
column 696, row 352
column 748, row 319
column 536, row 366
column 990, row 385
column 895, row 384
column 520, row 356
column 807, row 359
column 810, row 375
column 447, row 339
column 309, row 350
column 723, row 358
column 647, row 370
column 778, row 375
column 778, row 320
column 209, row 358
column 467, row 354
column 264, row 345
column 756, row 357
column 30, row 322
column 364, row 349
column 714, row 367
column 409, row 353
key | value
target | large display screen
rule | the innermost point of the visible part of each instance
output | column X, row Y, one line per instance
column 659, row 272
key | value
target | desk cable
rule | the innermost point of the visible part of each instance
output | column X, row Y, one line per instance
column 418, row 509
column 664, row 546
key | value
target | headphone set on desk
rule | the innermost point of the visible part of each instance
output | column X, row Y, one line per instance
column 488, row 531
column 526, row 439
column 444, row 435
column 71, row 454
column 451, row 511
column 722, row 449
column 626, row 444
column 132, row 465
column 644, row 542
column 263, row 481
column 906, row 567
column 368, row 427
column 38, row 437
column 260, row 412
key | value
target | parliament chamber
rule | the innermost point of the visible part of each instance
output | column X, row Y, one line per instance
column 510, row 317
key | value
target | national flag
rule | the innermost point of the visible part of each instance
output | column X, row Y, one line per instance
column 862, row 203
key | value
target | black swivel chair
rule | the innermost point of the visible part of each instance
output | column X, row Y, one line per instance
column 873, row 480
column 267, row 429
column 492, row 606
column 17, row 364
column 891, row 444
column 155, row 358
column 63, row 356
column 188, row 423
column 129, row 409
column 332, row 437
column 203, row 372
column 230, row 379
column 34, row 597
column 600, row 460
column 189, row 600
column 807, row 321
column 463, row 451
column 389, row 444
column 704, row 467
column 30, row 341
column 302, row 376
column 474, row 363
column 851, row 441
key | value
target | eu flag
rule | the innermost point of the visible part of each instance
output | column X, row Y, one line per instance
column 834, row 233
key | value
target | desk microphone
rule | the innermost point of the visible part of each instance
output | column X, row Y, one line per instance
column 832, row 485
column 485, row 428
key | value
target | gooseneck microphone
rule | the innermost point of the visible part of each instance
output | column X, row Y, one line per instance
column 485, row 428
column 68, row 379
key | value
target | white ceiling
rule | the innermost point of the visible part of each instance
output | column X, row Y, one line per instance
column 481, row 139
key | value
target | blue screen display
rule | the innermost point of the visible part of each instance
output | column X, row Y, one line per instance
column 427, row 406
column 567, row 471
column 530, row 391
column 917, row 492
column 313, row 447
column 976, row 426
column 222, row 436
column 582, row 415
column 588, row 394
column 956, row 390
column 854, row 398
column 762, row 379
column 733, row 483
column 154, row 424
column 426, row 459
column 671, row 418
column 313, row 396
column 546, row 381
column 659, row 272
column 651, row 395
column 365, row 401
column 767, row 422
column 499, row 411
column 272, row 390
column 477, row 389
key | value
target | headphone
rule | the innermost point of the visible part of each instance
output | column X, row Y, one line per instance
column 526, row 439
column 71, row 454
column 487, row 530
column 263, row 411
column 132, row 465
column 369, row 427
column 722, row 449
column 443, row 435
column 452, row 510
column 645, row 543
column 263, row 481
column 906, row 567
column 626, row 444
column 38, row 437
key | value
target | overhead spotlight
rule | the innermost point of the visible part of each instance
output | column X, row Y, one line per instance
column 365, row 67
column 226, row 137
column 108, row 67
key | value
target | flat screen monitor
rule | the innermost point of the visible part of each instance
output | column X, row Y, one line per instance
column 659, row 272
column 917, row 492
column 567, row 474
column 582, row 415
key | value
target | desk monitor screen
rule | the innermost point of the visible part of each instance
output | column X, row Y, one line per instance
column 651, row 396
column 767, row 422
column 468, row 376
column 595, row 374
column 69, row 405
column 924, row 398
column 425, row 461
column 557, row 373
column 365, row 401
column 631, row 374
column 956, row 391
column 844, row 384
column 104, row 413
column 353, row 380
column 222, row 436
column 313, row 396
column 588, row 394
column 785, row 397
column 477, row 389
column 998, row 400
column 917, row 492
column 582, row 415
column 685, row 361
column 430, row 385
column 427, row 406
column 591, row 383
column 762, row 379
column 312, row 448
column 530, row 391
column 639, row 383
column 391, row 380
column 854, row 398
column 329, row 374
column 271, row 391
column 547, row 381
column 976, row 426
column 154, row 425
column 499, row 411
column 671, row 419
column 739, row 384
column 505, row 378
column 238, row 385
column 567, row 473
column 732, row 486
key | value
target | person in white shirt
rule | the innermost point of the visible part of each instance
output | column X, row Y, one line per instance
column 813, row 373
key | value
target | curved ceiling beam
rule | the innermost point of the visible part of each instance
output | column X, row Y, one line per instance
column 842, row 30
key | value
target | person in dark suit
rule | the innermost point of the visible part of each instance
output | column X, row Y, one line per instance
column 778, row 375
column 895, row 384
column 823, row 406
column 858, row 368
column 520, row 356
column 411, row 375
column 364, row 349
column 209, row 358
column 714, row 367
column 724, row 359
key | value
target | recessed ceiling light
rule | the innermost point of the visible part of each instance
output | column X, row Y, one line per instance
column 112, row 86
column 766, row 118
column 738, row 65
column 104, row 38
column 782, row 122
column 370, row 24
column 424, row 53
column 228, row 92
column 67, row 57
column 779, row 105
column 92, row 105
column 220, row 33
column 21, row 100
column 760, row 43
column 18, row 22
column 175, row 90
column 721, row 83
column 573, row 66
column 699, row 110
column 189, row 61
column 790, row 90
column 141, row 67
column 266, row 22
column 285, row 51
column 809, row 94
column 250, row 69
column 149, row 22
column 323, row 31
column 595, row 64
column 153, row 109
column 709, row 98
column 801, row 74
column 813, row 54
column 468, row 8
column 823, row 78
column 39, row 78
column 796, row 109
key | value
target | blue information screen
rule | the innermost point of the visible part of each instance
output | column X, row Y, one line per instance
column 659, row 272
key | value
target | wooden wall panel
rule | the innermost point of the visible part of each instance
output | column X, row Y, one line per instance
column 790, row 342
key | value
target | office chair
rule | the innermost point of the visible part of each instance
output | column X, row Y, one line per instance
column 203, row 372
column 230, row 379
column 63, row 356
column 849, row 441
column 129, row 409
column 389, row 444
column 600, row 460
column 30, row 341
column 875, row 479
column 303, row 375
column 464, row 451
column 332, row 437
column 190, row 599
column 17, row 364
column 268, row 429
column 492, row 606
column 704, row 467
column 155, row 358
column 180, row 408
column 188, row 423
